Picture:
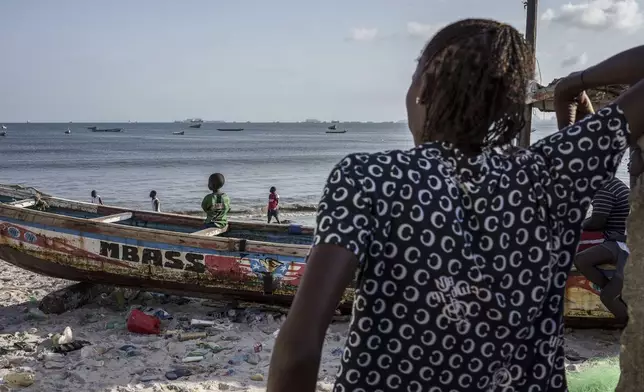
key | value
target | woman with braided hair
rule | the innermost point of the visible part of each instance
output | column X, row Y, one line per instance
column 461, row 246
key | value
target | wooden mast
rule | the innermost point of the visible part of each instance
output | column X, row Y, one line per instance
column 531, row 38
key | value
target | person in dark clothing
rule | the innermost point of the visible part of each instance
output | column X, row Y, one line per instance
column 610, row 210
column 461, row 248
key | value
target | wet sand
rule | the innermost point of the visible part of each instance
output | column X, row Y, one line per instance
column 122, row 361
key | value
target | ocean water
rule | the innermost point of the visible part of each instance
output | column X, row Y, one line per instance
column 124, row 167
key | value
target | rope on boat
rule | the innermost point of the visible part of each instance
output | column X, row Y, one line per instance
column 41, row 204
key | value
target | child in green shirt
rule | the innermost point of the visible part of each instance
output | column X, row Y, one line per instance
column 216, row 204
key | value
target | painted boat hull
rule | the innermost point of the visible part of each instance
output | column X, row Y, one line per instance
column 255, row 262
column 195, row 126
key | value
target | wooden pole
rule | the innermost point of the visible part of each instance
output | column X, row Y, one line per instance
column 531, row 38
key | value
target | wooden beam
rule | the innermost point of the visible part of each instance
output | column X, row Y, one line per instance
column 23, row 203
column 531, row 38
column 113, row 218
column 211, row 231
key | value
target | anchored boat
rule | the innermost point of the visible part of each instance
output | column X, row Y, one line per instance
column 176, row 254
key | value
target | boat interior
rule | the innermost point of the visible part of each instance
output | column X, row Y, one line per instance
column 285, row 233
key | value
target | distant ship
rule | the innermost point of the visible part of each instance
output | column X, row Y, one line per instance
column 333, row 127
column 230, row 129
column 335, row 122
column 194, row 122
column 95, row 129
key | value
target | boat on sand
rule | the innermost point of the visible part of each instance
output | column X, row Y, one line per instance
column 175, row 254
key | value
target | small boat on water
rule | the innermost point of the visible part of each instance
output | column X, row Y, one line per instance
column 342, row 131
column 4, row 127
column 68, row 131
column 195, row 125
column 176, row 254
column 95, row 129
column 333, row 127
column 3, row 133
column 179, row 133
column 230, row 129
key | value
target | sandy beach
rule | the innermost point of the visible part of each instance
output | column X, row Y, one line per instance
column 118, row 360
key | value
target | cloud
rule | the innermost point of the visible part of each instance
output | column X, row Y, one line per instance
column 574, row 61
column 421, row 30
column 363, row 34
column 623, row 15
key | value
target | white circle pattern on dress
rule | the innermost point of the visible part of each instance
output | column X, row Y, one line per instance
column 464, row 260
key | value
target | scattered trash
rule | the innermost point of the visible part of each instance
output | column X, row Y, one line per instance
column 277, row 331
column 230, row 338
column 195, row 358
column 24, row 346
column 191, row 335
column 237, row 359
column 66, row 337
column 337, row 351
column 149, row 378
column 230, row 372
column 54, row 365
column 214, row 347
column 139, row 322
column 115, row 325
column 158, row 313
column 130, row 350
column 252, row 359
column 257, row 377
column 69, row 347
column 198, row 353
column 36, row 314
column 21, row 379
column 257, row 347
column 223, row 387
column 201, row 323
column 177, row 373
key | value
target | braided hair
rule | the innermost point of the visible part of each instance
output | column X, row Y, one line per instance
column 475, row 75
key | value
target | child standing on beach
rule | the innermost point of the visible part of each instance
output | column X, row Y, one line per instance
column 156, row 203
column 273, row 205
column 216, row 204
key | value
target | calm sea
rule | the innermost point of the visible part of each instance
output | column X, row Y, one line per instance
column 124, row 167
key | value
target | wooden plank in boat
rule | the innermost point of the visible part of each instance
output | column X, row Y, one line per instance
column 211, row 231
column 113, row 218
column 23, row 203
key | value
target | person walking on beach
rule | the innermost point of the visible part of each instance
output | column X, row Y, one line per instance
column 156, row 203
column 216, row 205
column 273, row 205
column 96, row 199
column 462, row 249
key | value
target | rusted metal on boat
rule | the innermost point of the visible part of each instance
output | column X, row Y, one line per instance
column 165, row 252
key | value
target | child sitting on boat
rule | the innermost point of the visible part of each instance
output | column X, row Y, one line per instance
column 217, row 204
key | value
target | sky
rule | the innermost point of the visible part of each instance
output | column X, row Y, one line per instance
column 258, row 60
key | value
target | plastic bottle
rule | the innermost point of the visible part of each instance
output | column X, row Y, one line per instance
column 21, row 379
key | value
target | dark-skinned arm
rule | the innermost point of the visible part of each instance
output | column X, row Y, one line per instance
column 342, row 236
column 296, row 356
column 596, row 222
column 623, row 68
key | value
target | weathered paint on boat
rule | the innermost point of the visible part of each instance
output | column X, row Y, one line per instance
column 251, row 261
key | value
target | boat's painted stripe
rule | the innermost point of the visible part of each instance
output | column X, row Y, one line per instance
column 135, row 242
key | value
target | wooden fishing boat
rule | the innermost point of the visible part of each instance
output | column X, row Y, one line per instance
column 230, row 129
column 176, row 254
column 179, row 133
column 342, row 131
